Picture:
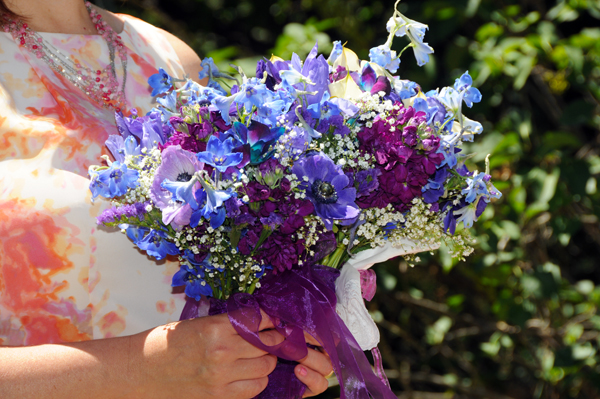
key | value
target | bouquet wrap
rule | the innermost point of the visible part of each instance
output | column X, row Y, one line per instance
column 298, row 301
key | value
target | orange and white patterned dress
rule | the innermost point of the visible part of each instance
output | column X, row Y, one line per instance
column 62, row 277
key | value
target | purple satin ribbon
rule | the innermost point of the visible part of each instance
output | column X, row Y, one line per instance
column 298, row 301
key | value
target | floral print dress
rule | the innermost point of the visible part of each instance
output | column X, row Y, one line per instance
column 62, row 277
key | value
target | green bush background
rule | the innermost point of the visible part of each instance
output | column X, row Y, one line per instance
column 519, row 318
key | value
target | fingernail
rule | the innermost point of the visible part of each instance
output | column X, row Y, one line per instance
column 302, row 371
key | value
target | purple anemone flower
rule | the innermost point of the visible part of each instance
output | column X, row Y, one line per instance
column 173, row 184
column 326, row 186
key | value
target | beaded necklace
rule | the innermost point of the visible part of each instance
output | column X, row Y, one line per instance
column 101, row 86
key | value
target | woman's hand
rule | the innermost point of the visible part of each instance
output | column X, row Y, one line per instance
column 206, row 358
column 200, row 358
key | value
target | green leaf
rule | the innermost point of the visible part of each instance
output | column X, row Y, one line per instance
column 435, row 333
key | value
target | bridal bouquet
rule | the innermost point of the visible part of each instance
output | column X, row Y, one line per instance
column 265, row 191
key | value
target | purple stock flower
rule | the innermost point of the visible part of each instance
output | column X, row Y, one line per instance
column 366, row 181
column 185, row 141
column 326, row 186
column 273, row 221
column 282, row 251
column 392, row 139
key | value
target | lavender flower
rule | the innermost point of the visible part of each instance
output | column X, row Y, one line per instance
column 116, row 213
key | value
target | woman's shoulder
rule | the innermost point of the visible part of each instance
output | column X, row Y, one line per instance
column 190, row 61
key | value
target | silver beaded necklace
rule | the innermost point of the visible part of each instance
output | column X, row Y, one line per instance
column 101, row 86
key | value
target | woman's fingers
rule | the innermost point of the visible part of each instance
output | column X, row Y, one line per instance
column 250, row 369
column 246, row 389
column 310, row 339
column 314, row 381
column 317, row 361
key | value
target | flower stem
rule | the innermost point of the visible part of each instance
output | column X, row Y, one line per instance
column 336, row 257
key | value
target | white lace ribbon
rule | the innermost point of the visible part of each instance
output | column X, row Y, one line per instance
column 350, row 303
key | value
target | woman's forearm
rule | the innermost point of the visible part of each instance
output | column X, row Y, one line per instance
column 203, row 358
column 105, row 368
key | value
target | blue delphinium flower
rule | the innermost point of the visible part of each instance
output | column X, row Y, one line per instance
column 191, row 274
column 326, row 186
column 335, row 52
column 479, row 185
column 405, row 88
column 119, row 147
column 182, row 191
column 223, row 104
column 415, row 31
column 385, row 58
column 134, row 233
column 433, row 108
column 112, row 182
column 325, row 108
column 253, row 93
column 212, row 205
column 476, row 186
column 452, row 97
column 268, row 112
column 155, row 244
column 470, row 213
column 169, row 104
column 464, row 85
column 219, row 154
column 160, row 82
column 209, row 68
column 422, row 51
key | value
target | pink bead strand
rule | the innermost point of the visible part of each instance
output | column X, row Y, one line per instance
column 102, row 86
